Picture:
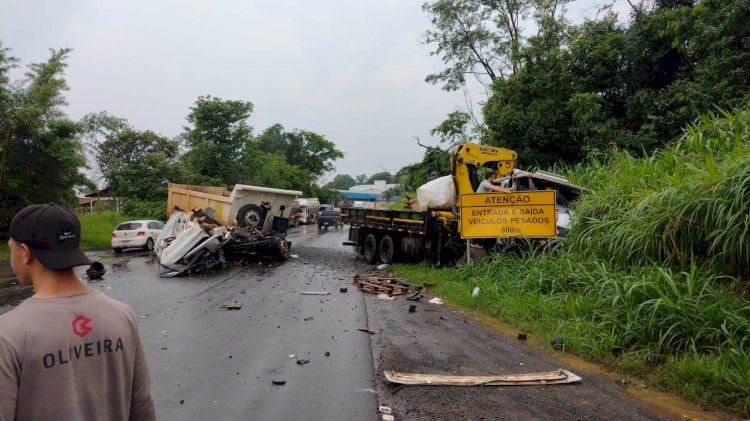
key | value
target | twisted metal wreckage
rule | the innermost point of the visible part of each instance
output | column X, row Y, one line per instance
column 244, row 226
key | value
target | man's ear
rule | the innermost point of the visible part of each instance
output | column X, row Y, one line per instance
column 26, row 254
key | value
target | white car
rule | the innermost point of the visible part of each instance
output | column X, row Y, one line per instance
column 141, row 234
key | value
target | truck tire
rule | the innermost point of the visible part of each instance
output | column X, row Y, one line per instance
column 370, row 249
column 251, row 216
column 388, row 249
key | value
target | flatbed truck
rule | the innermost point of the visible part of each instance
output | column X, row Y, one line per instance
column 402, row 235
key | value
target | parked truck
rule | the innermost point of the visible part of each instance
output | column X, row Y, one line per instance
column 397, row 235
column 306, row 210
column 209, row 226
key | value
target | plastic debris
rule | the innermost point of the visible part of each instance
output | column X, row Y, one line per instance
column 385, row 297
column 475, row 292
column 384, row 266
column 436, row 300
column 315, row 293
column 235, row 305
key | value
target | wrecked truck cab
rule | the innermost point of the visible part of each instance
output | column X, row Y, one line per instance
column 245, row 225
column 565, row 192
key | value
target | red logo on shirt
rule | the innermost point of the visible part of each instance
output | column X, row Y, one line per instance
column 81, row 326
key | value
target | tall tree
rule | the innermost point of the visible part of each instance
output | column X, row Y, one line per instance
column 466, row 42
column 340, row 182
column 217, row 139
column 41, row 154
column 383, row 175
column 312, row 152
column 139, row 164
column 360, row 179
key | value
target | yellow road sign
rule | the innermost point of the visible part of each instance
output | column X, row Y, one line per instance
column 518, row 214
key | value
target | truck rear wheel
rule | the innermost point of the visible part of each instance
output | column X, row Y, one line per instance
column 387, row 249
column 370, row 249
column 251, row 216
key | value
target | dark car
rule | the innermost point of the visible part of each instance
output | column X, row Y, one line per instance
column 330, row 218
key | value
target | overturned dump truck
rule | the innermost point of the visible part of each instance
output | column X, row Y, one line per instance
column 210, row 227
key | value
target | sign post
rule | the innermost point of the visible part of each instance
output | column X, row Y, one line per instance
column 529, row 214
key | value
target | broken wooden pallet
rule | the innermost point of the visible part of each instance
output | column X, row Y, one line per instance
column 378, row 284
column 560, row 376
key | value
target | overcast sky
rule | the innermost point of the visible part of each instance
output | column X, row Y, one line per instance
column 351, row 70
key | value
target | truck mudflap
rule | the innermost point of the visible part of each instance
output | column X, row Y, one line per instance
column 192, row 243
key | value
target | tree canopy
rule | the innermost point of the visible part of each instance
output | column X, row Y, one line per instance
column 569, row 93
column 41, row 153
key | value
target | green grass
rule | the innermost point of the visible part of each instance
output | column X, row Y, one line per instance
column 96, row 229
column 96, row 232
column 655, row 275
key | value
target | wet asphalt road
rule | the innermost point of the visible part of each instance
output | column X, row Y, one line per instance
column 212, row 364
column 207, row 363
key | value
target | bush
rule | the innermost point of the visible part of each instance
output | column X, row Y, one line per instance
column 145, row 209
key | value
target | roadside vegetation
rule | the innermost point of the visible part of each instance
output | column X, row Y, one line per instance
column 96, row 229
column 654, row 279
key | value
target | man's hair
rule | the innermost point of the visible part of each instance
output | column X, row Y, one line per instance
column 489, row 174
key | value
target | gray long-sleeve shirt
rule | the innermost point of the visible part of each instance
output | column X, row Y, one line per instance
column 73, row 358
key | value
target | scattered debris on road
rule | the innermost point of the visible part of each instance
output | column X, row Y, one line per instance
column 327, row 354
column 412, row 308
column 307, row 319
column 343, row 289
column 315, row 293
column 95, row 271
column 235, row 305
column 302, row 362
column 559, row 376
column 368, row 330
column 522, row 336
column 279, row 382
column 385, row 410
column 417, row 295
column 384, row 266
column 436, row 300
column 291, row 356
column 385, row 297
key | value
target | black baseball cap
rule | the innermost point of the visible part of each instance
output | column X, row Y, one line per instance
column 53, row 234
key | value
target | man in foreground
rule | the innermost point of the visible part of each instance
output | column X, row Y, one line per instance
column 69, row 352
